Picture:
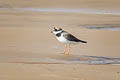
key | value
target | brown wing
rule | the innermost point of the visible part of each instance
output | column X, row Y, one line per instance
column 70, row 37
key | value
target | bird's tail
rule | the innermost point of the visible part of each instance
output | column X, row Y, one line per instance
column 82, row 41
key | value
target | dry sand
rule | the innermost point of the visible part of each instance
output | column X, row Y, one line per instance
column 99, row 4
column 13, row 71
column 28, row 50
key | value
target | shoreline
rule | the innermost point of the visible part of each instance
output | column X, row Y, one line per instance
column 65, row 10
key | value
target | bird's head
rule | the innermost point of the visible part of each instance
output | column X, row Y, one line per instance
column 56, row 30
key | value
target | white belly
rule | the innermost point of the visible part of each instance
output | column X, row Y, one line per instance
column 64, row 40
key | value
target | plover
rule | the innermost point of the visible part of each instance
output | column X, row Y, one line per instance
column 66, row 38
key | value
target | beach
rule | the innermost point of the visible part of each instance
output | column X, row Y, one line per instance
column 29, row 51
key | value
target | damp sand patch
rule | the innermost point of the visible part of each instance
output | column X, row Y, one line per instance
column 93, row 60
column 102, row 27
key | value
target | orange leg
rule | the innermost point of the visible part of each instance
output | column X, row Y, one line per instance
column 65, row 49
column 69, row 49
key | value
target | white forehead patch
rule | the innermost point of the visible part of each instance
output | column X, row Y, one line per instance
column 56, row 32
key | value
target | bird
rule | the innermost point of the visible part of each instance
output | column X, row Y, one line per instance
column 66, row 38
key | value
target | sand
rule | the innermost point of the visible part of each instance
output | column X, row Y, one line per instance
column 13, row 71
column 28, row 50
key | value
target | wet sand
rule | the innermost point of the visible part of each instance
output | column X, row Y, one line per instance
column 29, row 51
